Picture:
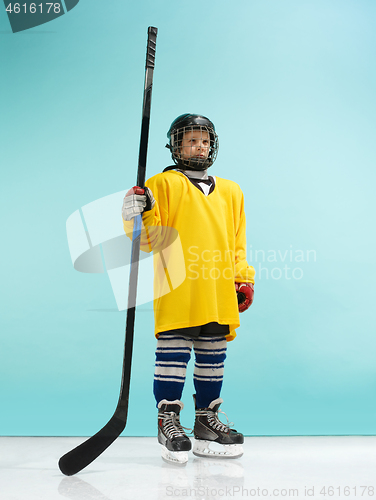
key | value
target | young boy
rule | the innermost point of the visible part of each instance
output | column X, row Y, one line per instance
column 203, row 312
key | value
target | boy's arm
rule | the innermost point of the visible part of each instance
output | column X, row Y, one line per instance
column 244, row 273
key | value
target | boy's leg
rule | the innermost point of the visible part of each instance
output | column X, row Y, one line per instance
column 172, row 355
column 208, row 372
column 208, row 376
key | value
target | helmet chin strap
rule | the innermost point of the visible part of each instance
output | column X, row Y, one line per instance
column 196, row 174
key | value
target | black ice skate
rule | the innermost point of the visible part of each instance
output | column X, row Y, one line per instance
column 212, row 437
column 175, row 444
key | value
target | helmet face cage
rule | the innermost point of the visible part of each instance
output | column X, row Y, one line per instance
column 194, row 147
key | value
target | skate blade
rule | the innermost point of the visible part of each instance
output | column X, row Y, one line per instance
column 210, row 449
column 174, row 457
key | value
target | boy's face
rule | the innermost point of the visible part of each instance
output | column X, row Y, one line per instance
column 195, row 144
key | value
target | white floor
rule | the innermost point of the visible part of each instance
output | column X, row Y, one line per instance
column 289, row 467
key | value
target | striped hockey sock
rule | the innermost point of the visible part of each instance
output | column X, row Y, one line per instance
column 208, row 372
column 172, row 355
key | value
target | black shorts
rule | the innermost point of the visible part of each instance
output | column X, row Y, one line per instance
column 209, row 330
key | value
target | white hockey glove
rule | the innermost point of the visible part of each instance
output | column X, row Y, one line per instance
column 137, row 201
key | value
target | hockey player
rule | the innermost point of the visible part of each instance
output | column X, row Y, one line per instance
column 203, row 312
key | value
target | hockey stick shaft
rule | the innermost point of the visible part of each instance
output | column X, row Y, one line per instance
column 81, row 456
column 136, row 237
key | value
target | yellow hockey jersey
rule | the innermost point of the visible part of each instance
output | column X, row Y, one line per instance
column 199, row 244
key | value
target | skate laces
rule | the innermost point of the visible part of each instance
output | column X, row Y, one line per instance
column 172, row 426
column 214, row 421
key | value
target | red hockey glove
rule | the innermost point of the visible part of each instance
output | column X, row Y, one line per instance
column 245, row 292
column 137, row 201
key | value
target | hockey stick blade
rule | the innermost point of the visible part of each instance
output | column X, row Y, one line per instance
column 81, row 456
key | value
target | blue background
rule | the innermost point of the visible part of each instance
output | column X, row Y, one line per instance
column 290, row 86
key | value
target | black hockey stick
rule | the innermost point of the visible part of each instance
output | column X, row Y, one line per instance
column 78, row 458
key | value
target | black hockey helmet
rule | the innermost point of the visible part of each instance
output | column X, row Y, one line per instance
column 187, row 123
